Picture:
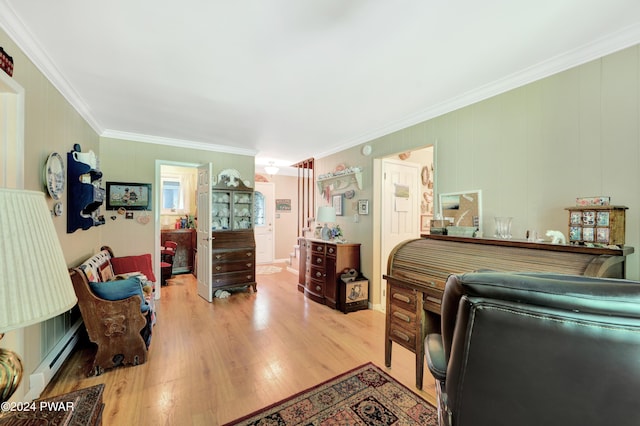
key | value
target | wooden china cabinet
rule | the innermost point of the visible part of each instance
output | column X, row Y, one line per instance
column 233, row 247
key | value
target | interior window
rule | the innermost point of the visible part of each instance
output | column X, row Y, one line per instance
column 171, row 199
column 175, row 194
column 259, row 209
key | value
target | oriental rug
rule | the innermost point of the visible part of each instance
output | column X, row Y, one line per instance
column 363, row 396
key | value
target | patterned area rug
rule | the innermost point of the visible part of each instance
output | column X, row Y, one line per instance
column 363, row 396
column 267, row 269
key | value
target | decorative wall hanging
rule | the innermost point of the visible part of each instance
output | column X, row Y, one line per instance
column 128, row 195
column 283, row 205
column 85, row 196
column 363, row 206
column 337, row 204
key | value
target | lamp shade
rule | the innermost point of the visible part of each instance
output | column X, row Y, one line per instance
column 34, row 279
column 326, row 214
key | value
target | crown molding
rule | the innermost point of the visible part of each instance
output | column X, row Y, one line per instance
column 606, row 45
column 15, row 28
column 180, row 143
column 619, row 40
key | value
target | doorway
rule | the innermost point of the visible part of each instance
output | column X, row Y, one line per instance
column 264, row 210
column 175, row 207
column 404, row 187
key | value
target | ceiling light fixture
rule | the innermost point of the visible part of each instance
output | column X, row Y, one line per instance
column 271, row 169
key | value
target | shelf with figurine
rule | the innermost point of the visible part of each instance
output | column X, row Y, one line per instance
column 339, row 179
column 85, row 194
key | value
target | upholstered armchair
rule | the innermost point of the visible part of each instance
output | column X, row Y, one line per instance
column 537, row 349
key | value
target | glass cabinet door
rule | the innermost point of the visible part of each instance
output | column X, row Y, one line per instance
column 221, row 210
column 242, row 210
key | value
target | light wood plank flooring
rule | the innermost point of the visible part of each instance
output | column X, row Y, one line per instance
column 210, row 363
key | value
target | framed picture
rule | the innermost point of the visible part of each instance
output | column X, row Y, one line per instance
column 425, row 223
column 283, row 204
column 128, row 195
column 363, row 206
column 336, row 201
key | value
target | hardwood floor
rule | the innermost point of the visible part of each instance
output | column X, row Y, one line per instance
column 210, row 363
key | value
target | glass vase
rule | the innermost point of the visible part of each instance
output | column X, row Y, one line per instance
column 503, row 227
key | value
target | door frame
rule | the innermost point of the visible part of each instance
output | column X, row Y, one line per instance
column 379, row 197
column 156, row 215
column 272, row 189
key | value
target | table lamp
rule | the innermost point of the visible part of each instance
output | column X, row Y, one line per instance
column 34, row 279
column 326, row 214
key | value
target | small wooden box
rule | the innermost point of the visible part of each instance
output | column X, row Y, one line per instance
column 354, row 295
column 597, row 225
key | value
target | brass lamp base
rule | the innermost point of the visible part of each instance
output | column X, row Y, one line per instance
column 10, row 373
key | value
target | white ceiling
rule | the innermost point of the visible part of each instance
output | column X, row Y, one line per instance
column 286, row 80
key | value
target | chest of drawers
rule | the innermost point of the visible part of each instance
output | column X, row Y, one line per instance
column 321, row 263
column 233, row 259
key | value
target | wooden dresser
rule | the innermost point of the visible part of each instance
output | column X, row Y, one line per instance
column 233, row 259
column 321, row 264
column 418, row 269
column 186, row 240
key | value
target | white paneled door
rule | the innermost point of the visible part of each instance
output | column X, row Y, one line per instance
column 400, row 208
column 263, row 222
column 204, row 232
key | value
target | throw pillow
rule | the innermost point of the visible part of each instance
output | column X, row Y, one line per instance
column 141, row 263
column 120, row 289
column 106, row 272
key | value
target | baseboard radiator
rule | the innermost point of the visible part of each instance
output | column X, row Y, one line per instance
column 41, row 377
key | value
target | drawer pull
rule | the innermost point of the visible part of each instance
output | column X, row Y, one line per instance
column 319, row 248
column 319, row 260
column 403, row 317
column 249, row 265
column 401, row 335
column 249, row 254
column 318, row 274
column 218, row 268
column 218, row 256
column 318, row 288
column 330, row 250
column 401, row 297
column 249, row 277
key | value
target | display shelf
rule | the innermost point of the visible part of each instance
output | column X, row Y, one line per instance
column 232, row 209
column 340, row 181
column 85, row 196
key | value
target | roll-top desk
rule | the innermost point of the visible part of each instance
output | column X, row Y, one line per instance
column 418, row 269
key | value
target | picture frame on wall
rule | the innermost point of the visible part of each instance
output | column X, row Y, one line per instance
column 128, row 195
column 363, row 206
column 336, row 202
column 425, row 223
